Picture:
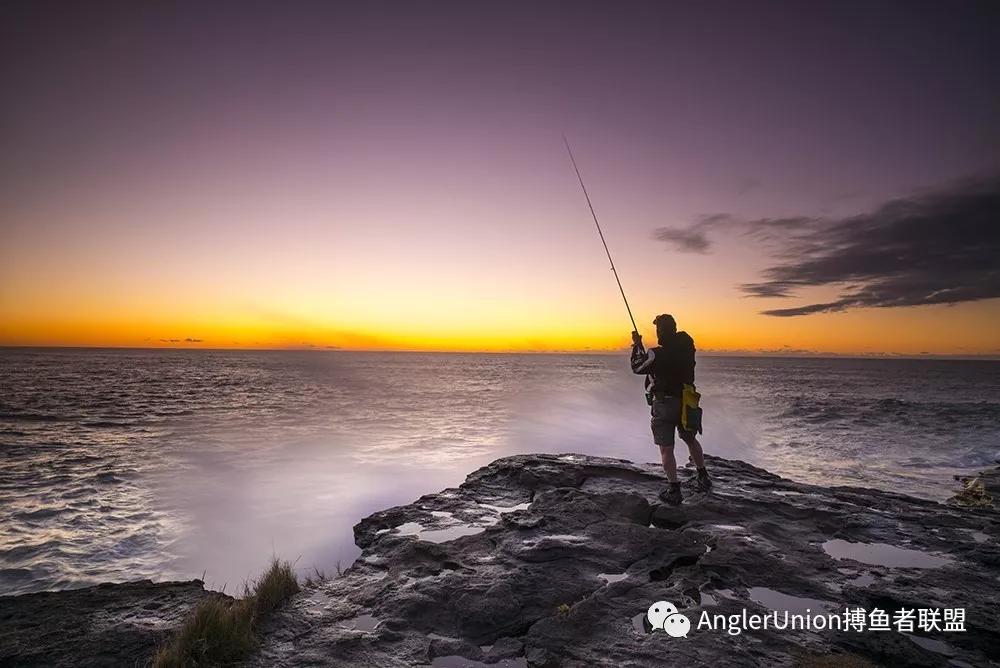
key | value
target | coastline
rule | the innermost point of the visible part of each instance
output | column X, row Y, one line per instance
column 546, row 560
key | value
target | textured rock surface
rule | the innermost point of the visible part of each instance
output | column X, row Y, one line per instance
column 553, row 560
column 106, row 625
column 545, row 560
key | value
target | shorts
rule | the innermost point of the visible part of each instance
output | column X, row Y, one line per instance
column 665, row 417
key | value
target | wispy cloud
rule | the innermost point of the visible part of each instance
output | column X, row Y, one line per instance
column 936, row 247
column 694, row 238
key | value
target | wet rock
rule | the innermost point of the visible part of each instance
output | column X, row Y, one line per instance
column 105, row 625
column 510, row 569
column 552, row 560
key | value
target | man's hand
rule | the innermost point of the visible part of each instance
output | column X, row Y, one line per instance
column 636, row 338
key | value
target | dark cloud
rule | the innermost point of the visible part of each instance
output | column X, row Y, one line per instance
column 693, row 239
column 933, row 248
column 936, row 247
column 190, row 340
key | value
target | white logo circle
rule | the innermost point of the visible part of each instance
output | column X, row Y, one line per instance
column 658, row 613
column 663, row 615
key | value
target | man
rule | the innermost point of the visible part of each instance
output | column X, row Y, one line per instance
column 668, row 367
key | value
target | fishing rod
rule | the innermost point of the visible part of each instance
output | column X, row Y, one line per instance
column 592, row 213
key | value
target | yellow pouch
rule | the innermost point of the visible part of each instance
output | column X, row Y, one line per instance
column 690, row 409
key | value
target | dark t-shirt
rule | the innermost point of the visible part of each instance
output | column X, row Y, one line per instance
column 669, row 365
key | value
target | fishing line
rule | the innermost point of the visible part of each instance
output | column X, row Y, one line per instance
column 592, row 213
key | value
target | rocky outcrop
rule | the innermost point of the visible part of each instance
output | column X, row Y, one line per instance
column 553, row 560
column 105, row 625
column 545, row 560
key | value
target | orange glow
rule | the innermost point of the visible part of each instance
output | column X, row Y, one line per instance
column 531, row 277
column 905, row 331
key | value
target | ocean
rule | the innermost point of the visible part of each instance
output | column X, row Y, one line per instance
column 167, row 464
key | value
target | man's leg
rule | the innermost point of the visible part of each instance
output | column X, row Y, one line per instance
column 694, row 447
column 698, row 457
column 672, row 494
column 663, row 426
column 669, row 462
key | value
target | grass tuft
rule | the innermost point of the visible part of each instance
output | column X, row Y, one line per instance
column 220, row 630
column 972, row 495
column 273, row 588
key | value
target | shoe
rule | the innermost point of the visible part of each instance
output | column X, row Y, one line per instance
column 703, row 483
column 672, row 494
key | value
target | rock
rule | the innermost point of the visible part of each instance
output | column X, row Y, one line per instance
column 553, row 560
column 505, row 648
column 105, row 625
column 991, row 481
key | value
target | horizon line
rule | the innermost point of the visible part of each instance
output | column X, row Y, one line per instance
column 985, row 357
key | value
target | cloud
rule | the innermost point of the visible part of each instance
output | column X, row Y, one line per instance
column 693, row 239
column 935, row 247
column 190, row 340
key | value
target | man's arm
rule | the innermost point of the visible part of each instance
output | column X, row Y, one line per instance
column 641, row 359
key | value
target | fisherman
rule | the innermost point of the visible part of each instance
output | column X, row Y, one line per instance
column 668, row 368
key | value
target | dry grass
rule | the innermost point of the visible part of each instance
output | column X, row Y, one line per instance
column 222, row 631
column 972, row 495
column 321, row 576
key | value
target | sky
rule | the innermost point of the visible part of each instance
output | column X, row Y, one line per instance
column 782, row 177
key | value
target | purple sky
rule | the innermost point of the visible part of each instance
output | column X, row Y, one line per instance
column 333, row 144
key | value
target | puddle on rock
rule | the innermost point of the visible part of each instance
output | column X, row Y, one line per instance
column 776, row 600
column 713, row 597
column 883, row 554
column 863, row 580
column 978, row 536
column 360, row 623
column 553, row 540
column 417, row 530
column 936, row 646
column 641, row 624
column 728, row 527
column 409, row 528
column 319, row 598
column 506, row 509
column 611, row 578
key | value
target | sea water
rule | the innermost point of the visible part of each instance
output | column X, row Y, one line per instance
column 168, row 464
